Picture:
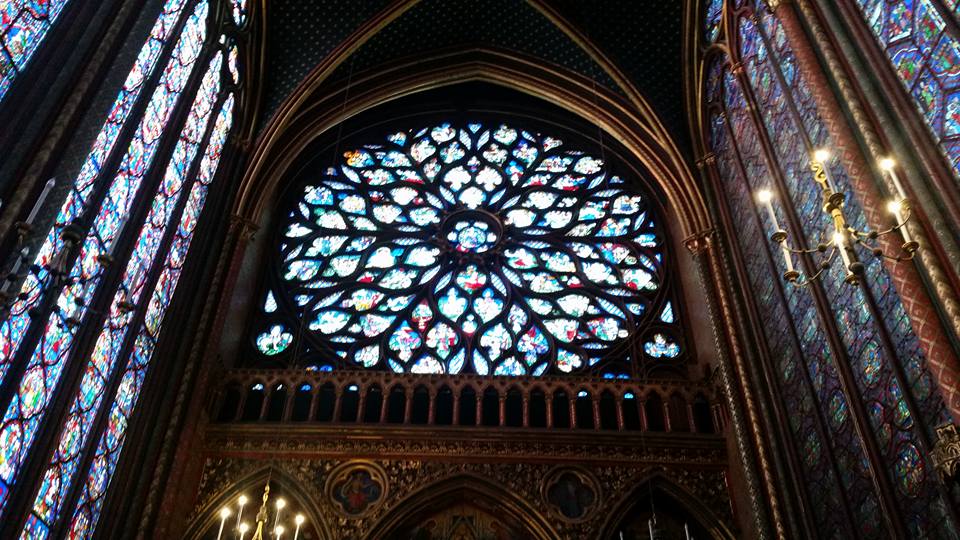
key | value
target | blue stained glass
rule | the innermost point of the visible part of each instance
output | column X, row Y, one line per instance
column 97, row 478
column 858, row 330
column 395, row 255
column 712, row 19
column 61, row 471
column 23, row 26
column 14, row 328
column 926, row 58
column 28, row 406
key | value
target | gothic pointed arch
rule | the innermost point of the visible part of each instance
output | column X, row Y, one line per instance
column 206, row 515
column 493, row 509
column 316, row 108
column 674, row 507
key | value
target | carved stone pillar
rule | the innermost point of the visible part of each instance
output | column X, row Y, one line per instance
column 549, row 401
column 620, row 422
column 736, row 385
column 917, row 302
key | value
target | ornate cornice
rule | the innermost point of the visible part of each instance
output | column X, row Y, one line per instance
column 471, row 443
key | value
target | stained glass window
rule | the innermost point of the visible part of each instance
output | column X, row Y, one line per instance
column 479, row 248
column 46, row 363
column 96, row 479
column 60, row 472
column 23, row 25
column 239, row 11
column 14, row 328
column 805, row 387
column 901, row 409
column 173, row 195
column 926, row 58
column 712, row 19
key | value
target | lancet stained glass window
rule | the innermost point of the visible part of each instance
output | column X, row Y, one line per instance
column 479, row 248
column 126, row 170
column 926, row 58
column 770, row 149
column 47, row 361
column 23, row 25
column 14, row 328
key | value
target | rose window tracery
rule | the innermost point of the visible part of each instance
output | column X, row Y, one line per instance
column 450, row 249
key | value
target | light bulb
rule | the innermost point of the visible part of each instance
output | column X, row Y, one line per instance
column 224, row 513
column 299, row 519
column 242, row 500
column 764, row 196
column 894, row 207
column 279, row 530
column 887, row 164
column 821, row 155
column 839, row 238
column 281, row 503
column 244, row 527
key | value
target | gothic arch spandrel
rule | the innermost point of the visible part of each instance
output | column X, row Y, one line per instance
column 463, row 504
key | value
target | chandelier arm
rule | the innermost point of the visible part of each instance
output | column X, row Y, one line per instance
column 904, row 255
column 802, row 251
column 808, row 281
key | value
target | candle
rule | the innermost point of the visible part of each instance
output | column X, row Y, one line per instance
column 787, row 261
column 242, row 501
column 278, row 531
column 224, row 514
column 39, row 204
column 280, row 504
column 299, row 521
column 21, row 255
column 889, row 165
column 243, row 528
column 686, row 531
column 840, row 240
column 896, row 208
column 765, row 196
column 821, row 156
column 650, row 526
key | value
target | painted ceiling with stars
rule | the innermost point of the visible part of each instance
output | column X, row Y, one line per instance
column 642, row 38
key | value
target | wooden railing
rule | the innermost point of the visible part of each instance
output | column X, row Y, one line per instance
column 362, row 397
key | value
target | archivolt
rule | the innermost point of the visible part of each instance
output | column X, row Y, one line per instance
column 468, row 487
column 315, row 109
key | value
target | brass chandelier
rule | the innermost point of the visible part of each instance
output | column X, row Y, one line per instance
column 261, row 529
column 843, row 239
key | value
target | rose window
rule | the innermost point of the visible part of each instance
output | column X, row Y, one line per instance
column 453, row 249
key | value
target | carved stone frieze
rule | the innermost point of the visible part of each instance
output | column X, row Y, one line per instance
column 406, row 477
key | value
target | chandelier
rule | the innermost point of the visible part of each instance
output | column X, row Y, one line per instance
column 263, row 528
column 843, row 239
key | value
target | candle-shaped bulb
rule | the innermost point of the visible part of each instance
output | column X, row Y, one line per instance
column 224, row 514
column 896, row 208
column 765, row 198
column 839, row 239
column 281, row 503
column 244, row 527
column 821, row 155
column 40, row 200
column 890, row 166
column 299, row 519
column 279, row 530
column 242, row 500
